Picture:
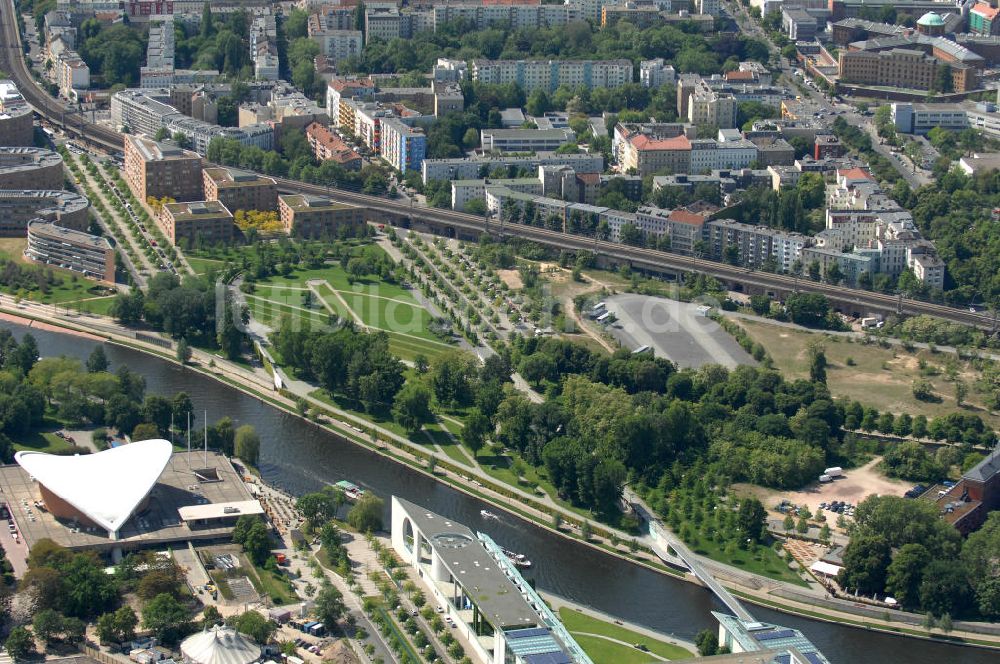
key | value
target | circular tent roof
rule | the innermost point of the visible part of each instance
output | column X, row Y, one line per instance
column 220, row 645
column 931, row 19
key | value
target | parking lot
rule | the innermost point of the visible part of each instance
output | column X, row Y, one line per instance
column 674, row 330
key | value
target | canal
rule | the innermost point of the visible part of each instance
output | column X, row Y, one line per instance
column 300, row 457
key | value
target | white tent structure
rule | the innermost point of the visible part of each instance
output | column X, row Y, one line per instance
column 104, row 488
column 219, row 645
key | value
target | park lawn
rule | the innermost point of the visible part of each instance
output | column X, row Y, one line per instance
column 204, row 265
column 273, row 584
column 770, row 564
column 881, row 377
column 38, row 441
column 13, row 248
column 270, row 313
column 608, row 651
column 455, row 450
column 92, row 305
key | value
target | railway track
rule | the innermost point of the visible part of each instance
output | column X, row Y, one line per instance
column 12, row 60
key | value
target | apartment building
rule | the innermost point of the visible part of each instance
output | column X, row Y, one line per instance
column 656, row 73
column 210, row 222
column 160, row 54
column 30, row 168
column 339, row 45
column 315, row 217
column 160, row 170
column 701, row 104
column 549, row 75
column 644, row 155
column 798, row 24
column 519, row 15
column 464, row 191
column 403, row 147
column 16, row 117
column 482, row 164
column 983, row 19
column 90, row 255
column 684, row 229
column 327, row 146
column 20, row 206
column 525, row 140
column 341, row 89
column 72, row 74
column 641, row 16
column 240, row 190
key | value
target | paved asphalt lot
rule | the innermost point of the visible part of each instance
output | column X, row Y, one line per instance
column 673, row 330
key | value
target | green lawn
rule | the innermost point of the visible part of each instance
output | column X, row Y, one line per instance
column 603, row 650
column 273, row 584
column 38, row 441
column 203, row 265
column 13, row 248
column 769, row 563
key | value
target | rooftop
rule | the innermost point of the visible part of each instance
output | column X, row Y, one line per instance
column 25, row 159
column 499, row 600
column 49, row 230
column 305, row 201
column 982, row 9
column 757, row 636
column 985, row 469
column 644, row 142
column 231, row 177
column 160, row 151
column 931, row 19
column 196, row 210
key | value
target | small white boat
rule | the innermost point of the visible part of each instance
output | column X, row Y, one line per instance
column 519, row 559
column 486, row 514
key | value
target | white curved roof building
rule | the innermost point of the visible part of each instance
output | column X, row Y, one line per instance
column 102, row 489
column 219, row 645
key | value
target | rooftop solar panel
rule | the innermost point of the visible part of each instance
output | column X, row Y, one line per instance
column 814, row 658
column 778, row 634
column 526, row 633
column 783, row 658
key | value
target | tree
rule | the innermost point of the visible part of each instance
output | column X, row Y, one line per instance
column 19, row 644
column 707, row 642
column 117, row 626
column 802, row 526
column 412, row 407
column 817, row 363
column 97, row 361
column 229, row 337
column 251, row 533
column 166, row 617
column 789, row 523
column 74, row 630
column 905, row 574
column 256, row 626
column 183, row 351
column 477, row 427
column 866, row 560
column 46, row 624
column 145, row 431
column 366, row 515
column 809, row 309
column 247, row 444
column 751, row 519
column 329, row 605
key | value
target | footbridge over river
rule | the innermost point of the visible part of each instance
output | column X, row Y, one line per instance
column 669, row 547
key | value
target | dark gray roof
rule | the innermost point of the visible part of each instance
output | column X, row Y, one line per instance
column 986, row 468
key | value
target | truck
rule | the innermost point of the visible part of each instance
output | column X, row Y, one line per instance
column 835, row 471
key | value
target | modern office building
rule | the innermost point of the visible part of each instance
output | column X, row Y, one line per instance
column 240, row 190
column 525, row 140
column 210, row 222
column 315, row 216
column 160, row 170
column 16, row 117
column 403, row 147
column 494, row 608
column 30, row 168
column 740, row 636
column 20, row 206
column 90, row 255
column 548, row 75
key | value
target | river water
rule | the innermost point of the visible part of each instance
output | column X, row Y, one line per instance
column 300, row 457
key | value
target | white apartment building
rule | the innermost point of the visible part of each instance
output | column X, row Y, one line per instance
column 525, row 140
column 550, row 74
column 655, row 73
column 464, row 191
column 339, row 44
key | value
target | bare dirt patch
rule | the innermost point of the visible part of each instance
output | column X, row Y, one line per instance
column 512, row 278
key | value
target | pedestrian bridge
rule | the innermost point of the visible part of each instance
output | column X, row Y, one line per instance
column 669, row 547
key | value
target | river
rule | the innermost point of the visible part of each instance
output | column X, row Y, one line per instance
column 300, row 457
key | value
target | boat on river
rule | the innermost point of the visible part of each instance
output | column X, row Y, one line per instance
column 486, row 514
column 519, row 559
column 352, row 491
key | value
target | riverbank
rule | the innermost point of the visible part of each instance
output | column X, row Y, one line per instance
column 256, row 384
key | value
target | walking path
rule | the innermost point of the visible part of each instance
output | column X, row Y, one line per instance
column 257, row 381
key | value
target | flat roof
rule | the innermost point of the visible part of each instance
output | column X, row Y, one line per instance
column 220, row 510
column 472, row 567
column 232, row 177
column 14, row 159
column 197, row 209
column 307, row 202
column 47, row 229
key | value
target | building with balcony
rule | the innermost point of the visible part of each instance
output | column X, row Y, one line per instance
column 317, row 217
column 327, row 146
column 240, row 190
column 90, row 255
column 403, row 147
column 525, row 140
column 549, row 75
column 188, row 223
column 161, row 170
